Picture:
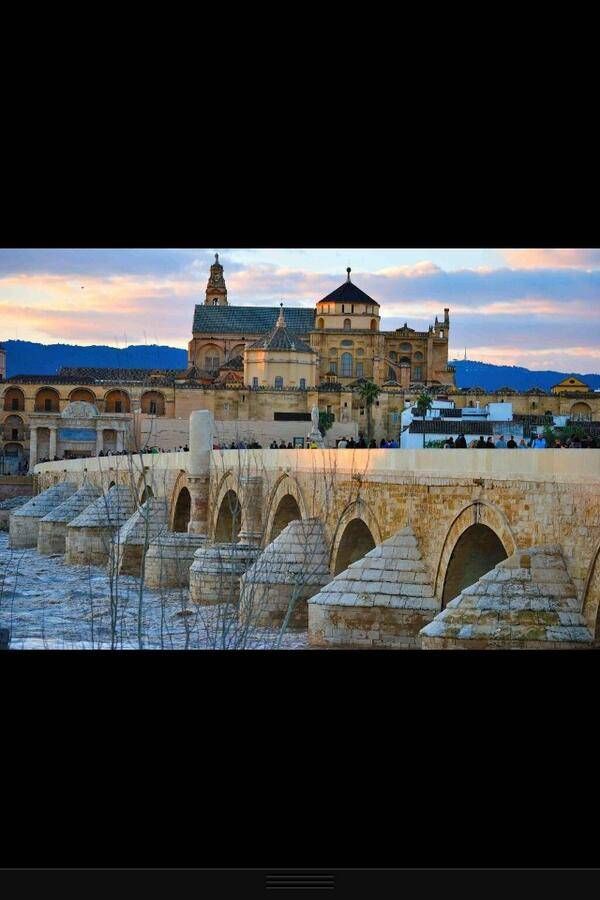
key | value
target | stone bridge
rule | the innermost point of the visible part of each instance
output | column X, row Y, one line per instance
column 403, row 537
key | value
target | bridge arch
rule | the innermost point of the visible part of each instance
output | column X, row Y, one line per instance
column 285, row 504
column 477, row 540
column 356, row 533
column 591, row 596
column 229, row 519
column 182, row 511
column 227, row 510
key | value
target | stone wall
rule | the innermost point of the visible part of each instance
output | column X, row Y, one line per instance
column 15, row 486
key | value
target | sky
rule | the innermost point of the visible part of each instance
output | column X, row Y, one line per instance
column 538, row 308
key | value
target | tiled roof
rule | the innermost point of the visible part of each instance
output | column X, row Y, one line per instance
column 113, row 377
column 102, row 372
column 348, row 292
column 281, row 339
column 250, row 320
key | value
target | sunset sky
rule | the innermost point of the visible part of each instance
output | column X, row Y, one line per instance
column 535, row 308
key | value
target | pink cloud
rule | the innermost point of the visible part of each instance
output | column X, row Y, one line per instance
column 544, row 258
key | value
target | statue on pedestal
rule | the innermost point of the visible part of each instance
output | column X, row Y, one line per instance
column 315, row 436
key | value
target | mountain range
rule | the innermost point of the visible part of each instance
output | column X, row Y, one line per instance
column 28, row 358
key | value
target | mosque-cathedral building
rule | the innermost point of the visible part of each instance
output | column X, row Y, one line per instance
column 343, row 330
column 259, row 370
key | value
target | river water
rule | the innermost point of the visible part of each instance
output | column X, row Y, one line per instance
column 49, row 605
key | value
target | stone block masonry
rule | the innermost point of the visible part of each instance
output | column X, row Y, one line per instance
column 528, row 601
column 24, row 522
column 381, row 600
column 289, row 571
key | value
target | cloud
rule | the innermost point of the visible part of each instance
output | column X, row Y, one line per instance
column 104, row 262
column 553, row 259
column 516, row 314
column 415, row 271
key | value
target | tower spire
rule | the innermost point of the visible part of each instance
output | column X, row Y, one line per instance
column 348, row 270
column 281, row 319
column 216, row 289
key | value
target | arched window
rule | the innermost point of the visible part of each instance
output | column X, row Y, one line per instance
column 212, row 359
column 279, row 382
column 393, row 355
column 13, row 429
column 373, row 324
column 215, row 302
column 153, row 403
column 303, row 384
column 82, row 394
column 346, row 365
column 391, row 374
column 347, row 325
column 47, row 400
column 117, row 402
column 14, row 399
column 321, row 323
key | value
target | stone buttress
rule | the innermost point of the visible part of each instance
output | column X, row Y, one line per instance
column 381, row 600
column 24, row 522
column 289, row 571
column 169, row 558
column 92, row 537
column 171, row 553
column 527, row 602
column 217, row 567
column 52, row 533
column 7, row 507
column 145, row 525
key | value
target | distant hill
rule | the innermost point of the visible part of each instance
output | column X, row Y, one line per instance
column 27, row 358
column 491, row 378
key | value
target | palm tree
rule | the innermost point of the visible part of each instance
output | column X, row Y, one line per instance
column 423, row 405
column 369, row 392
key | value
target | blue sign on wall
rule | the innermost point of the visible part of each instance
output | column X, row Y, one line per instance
column 77, row 434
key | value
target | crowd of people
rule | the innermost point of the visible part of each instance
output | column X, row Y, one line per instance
column 535, row 442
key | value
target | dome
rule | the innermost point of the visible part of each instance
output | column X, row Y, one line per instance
column 79, row 409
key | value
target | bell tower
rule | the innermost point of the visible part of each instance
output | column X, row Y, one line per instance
column 216, row 289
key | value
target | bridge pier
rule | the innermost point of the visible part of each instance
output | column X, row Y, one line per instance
column 379, row 601
column 527, row 602
column 138, row 533
column 289, row 571
column 24, row 522
column 90, row 536
column 52, row 533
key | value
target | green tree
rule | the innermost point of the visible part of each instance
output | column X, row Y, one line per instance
column 368, row 393
column 423, row 405
column 326, row 420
